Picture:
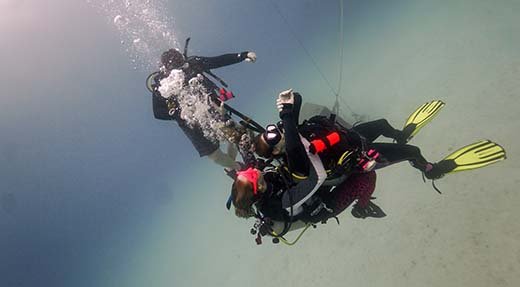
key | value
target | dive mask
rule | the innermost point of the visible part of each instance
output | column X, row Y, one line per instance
column 272, row 135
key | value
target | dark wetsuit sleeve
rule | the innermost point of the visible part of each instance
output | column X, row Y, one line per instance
column 208, row 63
column 296, row 155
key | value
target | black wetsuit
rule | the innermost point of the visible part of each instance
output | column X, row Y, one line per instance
column 195, row 65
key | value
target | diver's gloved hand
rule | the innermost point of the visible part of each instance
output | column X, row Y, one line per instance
column 285, row 99
column 197, row 80
column 251, row 57
column 279, row 105
column 371, row 210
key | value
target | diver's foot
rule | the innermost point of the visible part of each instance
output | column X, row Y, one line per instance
column 438, row 170
column 371, row 210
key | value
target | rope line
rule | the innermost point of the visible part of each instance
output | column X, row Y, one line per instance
column 313, row 61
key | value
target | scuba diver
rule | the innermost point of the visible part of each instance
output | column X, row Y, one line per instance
column 309, row 167
column 197, row 67
column 272, row 193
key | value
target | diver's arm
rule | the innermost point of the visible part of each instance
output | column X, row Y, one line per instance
column 209, row 63
column 224, row 160
column 299, row 160
column 296, row 155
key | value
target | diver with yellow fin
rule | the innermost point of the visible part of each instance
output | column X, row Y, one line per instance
column 295, row 190
column 357, row 146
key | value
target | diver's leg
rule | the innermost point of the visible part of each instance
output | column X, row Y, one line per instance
column 394, row 153
column 206, row 147
column 223, row 159
column 372, row 130
column 364, row 186
column 232, row 150
column 360, row 187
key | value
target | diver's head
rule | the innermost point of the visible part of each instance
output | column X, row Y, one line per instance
column 172, row 59
column 271, row 142
column 246, row 190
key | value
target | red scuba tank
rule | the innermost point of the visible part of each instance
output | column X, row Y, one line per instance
column 321, row 144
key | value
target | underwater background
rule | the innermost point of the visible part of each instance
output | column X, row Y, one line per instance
column 95, row 192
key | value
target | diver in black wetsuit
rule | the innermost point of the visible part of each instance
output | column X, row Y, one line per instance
column 312, row 148
column 168, row 109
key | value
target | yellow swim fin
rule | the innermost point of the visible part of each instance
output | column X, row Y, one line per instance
column 420, row 117
column 475, row 155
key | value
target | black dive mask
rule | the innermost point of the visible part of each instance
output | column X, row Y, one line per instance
column 272, row 135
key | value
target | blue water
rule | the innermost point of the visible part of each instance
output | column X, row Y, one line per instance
column 95, row 192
